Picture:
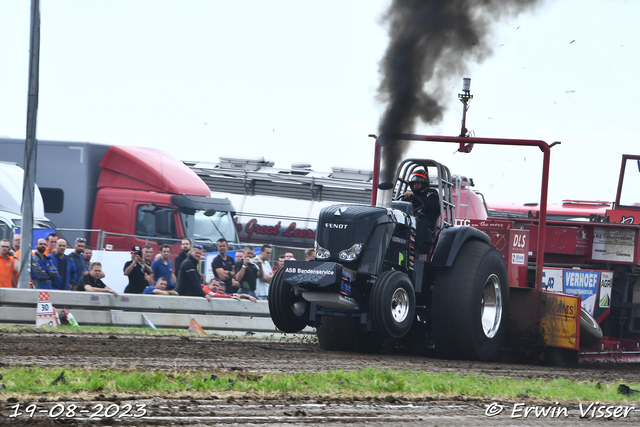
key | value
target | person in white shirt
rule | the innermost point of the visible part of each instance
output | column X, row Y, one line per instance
column 262, row 284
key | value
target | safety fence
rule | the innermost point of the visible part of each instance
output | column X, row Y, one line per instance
column 112, row 250
column 103, row 240
column 19, row 306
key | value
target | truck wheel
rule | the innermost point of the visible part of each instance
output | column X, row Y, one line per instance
column 392, row 304
column 590, row 332
column 470, row 304
column 289, row 311
column 343, row 334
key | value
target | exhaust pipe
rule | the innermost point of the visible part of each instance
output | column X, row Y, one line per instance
column 384, row 194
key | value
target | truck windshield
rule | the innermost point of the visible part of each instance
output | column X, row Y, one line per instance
column 209, row 228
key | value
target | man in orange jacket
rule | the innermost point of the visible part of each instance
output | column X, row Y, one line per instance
column 8, row 271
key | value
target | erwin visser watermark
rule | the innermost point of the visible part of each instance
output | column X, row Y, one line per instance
column 584, row 410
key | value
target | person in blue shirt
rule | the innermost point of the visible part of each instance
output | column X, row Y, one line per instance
column 162, row 267
column 67, row 272
column 77, row 256
column 42, row 269
column 159, row 289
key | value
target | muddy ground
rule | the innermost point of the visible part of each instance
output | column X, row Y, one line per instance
column 227, row 354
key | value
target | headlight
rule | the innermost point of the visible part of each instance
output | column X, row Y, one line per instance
column 322, row 253
column 351, row 253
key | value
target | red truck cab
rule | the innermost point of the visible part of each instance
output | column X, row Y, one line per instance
column 149, row 194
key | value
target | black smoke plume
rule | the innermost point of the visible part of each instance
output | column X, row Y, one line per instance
column 431, row 42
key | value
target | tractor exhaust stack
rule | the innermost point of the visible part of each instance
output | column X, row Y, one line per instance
column 465, row 97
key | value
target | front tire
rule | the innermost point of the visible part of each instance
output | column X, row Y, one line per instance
column 289, row 311
column 470, row 304
column 392, row 304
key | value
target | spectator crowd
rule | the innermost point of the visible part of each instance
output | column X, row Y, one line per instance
column 246, row 277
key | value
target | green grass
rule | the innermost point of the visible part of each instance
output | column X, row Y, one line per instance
column 137, row 331
column 20, row 381
column 35, row 381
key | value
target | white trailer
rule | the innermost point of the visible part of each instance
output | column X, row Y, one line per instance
column 11, row 181
column 280, row 206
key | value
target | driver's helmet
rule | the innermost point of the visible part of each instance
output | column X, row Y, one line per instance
column 422, row 177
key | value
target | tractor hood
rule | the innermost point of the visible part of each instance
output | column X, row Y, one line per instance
column 341, row 226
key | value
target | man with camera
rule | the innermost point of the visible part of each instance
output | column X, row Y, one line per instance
column 135, row 270
column 248, row 272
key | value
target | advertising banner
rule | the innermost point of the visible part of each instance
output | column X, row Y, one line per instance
column 584, row 283
column 606, row 282
column 318, row 273
column 594, row 287
column 560, row 316
column 552, row 279
column 611, row 244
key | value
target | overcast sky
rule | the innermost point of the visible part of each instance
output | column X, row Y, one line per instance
column 295, row 81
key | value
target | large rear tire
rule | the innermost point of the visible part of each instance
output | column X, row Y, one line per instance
column 289, row 311
column 470, row 304
column 590, row 332
column 343, row 334
column 392, row 304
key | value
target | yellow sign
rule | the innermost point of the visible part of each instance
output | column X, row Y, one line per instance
column 560, row 319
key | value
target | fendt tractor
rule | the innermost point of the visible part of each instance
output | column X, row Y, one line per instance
column 462, row 289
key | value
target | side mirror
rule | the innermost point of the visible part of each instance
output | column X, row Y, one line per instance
column 209, row 212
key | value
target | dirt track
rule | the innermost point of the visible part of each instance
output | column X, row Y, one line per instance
column 273, row 355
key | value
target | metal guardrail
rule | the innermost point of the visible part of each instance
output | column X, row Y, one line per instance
column 18, row 306
column 101, row 240
column 104, row 240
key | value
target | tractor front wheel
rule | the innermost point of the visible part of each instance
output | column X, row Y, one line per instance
column 392, row 304
column 289, row 311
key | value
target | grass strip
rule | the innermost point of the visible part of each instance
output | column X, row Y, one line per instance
column 34, row 381
column 140, row 331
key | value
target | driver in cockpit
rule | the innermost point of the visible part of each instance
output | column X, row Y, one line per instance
column 426, row 207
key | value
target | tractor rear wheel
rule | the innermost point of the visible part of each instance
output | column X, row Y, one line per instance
column 289, row 311
column 392, row 304
column 470, row 304
column 590, row 332
column 343, row 334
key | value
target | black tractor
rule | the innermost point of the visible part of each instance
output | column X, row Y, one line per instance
column 383, row 271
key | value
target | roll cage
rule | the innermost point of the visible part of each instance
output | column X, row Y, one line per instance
column 441, row 182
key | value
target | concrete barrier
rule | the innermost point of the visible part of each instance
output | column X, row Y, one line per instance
column 18, row 306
